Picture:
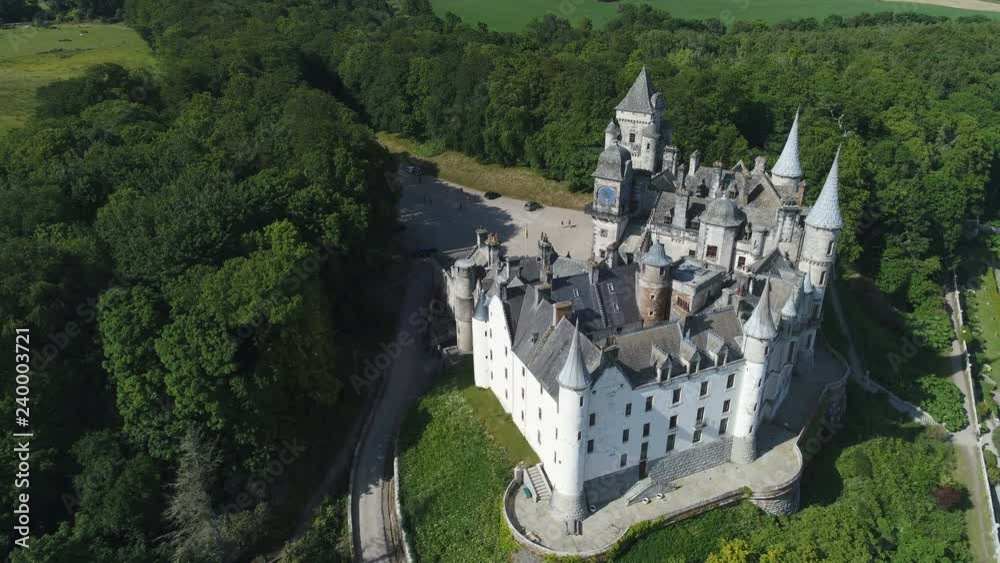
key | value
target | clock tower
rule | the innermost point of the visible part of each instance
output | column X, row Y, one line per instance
column 612, row 194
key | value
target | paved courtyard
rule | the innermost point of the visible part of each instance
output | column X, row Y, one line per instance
column 442, row 215
column 779, row 464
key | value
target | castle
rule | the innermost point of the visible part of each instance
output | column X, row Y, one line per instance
column 667, row 351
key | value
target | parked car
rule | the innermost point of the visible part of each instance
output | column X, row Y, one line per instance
column 532, row 206
column 491, row 195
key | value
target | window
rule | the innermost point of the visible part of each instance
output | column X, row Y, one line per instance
column 593, row 419
column 505, row 351
column 670, row 442
column 741, row 262
column 673, row 422
column 611, row 288
column 539, row 388
column 701, row 414
column 677, row 396
column 711, row 251
column 522, row 392
column 723, row 426
column 557, row 434
column 829, row 249
column 581, row 401
column 624, row 460
column 590, row 446
column 696, row 437
column 704, row 388
column 505, row 374
column 691, row 253
column 579, row 436
column 505, row 394
column 649, row 404
column 631, row 137
column 604, row 232
column 628, row 409
column 625, row 436
column 522, row 415
column 522, row 371
column 645, row 430
column 730, row 381
column 822, row 278
column 539, row 413
column 539, row 437
column 725, row 405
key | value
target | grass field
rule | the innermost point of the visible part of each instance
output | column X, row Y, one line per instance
column 515, row 181
column 513, row 15
column 984, row 313
column 32, row 57
column 457, row 455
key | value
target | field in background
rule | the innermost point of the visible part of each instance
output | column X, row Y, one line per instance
column 32, row 57
column 516, row 182
column 513, row 15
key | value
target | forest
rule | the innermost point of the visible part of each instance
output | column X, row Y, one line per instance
column 187, row 246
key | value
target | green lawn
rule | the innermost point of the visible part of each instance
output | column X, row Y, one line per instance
column 513, row 15
column 983, row 306
column 457, row 455
column 866, row 496
column 32, row 57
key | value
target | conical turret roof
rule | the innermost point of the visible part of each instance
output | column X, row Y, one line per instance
column 825, row 213
column 791, row 308
column 807, row 284
column 788, row 165
column 574, row 372
column 760, row 325
column 639, row 97
column 656, row 256
column 482, row 311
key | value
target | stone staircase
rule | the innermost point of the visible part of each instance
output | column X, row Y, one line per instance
column 539, row 483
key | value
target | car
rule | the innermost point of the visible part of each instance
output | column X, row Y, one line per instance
column 415, row 170
column 532, row 206
column 491, row 195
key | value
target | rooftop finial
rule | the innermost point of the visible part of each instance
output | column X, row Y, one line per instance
column 788, row 165
column 825, row 213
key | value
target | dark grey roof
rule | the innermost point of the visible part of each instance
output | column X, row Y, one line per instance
column 772, row 263
column 656, row 256
column 788, row 163
column 613, row 163
column 548, row 354
column 760, row 325
column 606, row 304
column 482, row 312
column 638, row 98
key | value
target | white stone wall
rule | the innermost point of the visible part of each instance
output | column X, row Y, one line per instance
column 817, row 257
column 724, row 238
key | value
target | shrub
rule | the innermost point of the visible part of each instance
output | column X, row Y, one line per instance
column 948, row 497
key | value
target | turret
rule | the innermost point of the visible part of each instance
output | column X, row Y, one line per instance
column 480, row 328
column 649, row 148
column 546, row 255
column 654, row 280
column 759, row 333
column 822, row 231
column 671, row 159
column 719, row 229
column 567, row 473
column 463, row 280
column 787, row 170
column 611, row 134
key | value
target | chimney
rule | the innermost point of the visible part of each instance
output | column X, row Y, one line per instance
column 671, row 159
column 560, row 311
column 718, row 179
column 680, row 209
column 681, row 176
column 480, row 237
column 695, row 161
column 542, row 291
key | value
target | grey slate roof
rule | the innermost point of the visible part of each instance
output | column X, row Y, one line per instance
column 574, row 374
column 613, row 163
column 656, row 256
column 825, row 213
column 612, row 128
column 638, row 98
column 606, row 304
column 482, row 312
column 724, row 213
column 546, row 356
column 788, row 164
column 760, row 325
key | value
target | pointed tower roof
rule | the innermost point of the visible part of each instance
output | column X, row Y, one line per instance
column 788, row 165
column 612, row 128
column 639, row 97
column 574, row 372
column 791, row 308
column 760, row 325
column 482, row 311
column 807, row 284
column 656, row 256
column 825, row 213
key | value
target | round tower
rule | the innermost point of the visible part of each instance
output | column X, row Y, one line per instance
column 567, row 473
column 653, row 285
column 822, row 231
column 463, row 282
column 650, row 148
column 759, row 333
column 719, row 230
column 480, row 342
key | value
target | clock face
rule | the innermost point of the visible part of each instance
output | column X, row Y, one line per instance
column 607, row 195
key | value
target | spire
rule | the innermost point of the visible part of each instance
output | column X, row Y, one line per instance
column 788, row 165
column 482, row 311
column 807, row 284
column 825, row 213
column 656, row 256
column 574, row 372
column 639, row 97
column 760, row 325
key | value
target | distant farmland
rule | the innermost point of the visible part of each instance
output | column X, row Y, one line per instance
column 32, row 57
column 512, row 15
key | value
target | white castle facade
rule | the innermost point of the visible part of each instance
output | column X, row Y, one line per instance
column 666, row 352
